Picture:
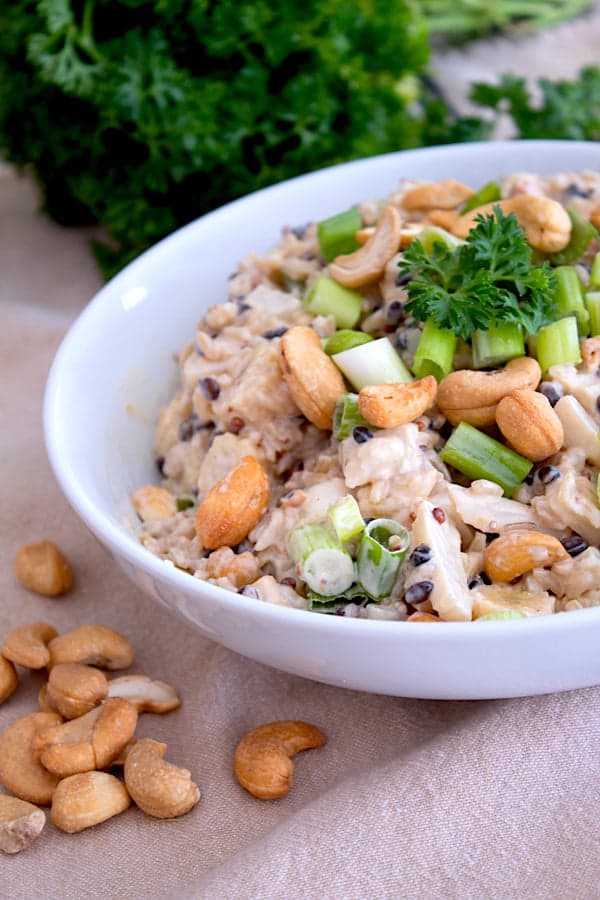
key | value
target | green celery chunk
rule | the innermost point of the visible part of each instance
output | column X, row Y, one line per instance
column 501, row 342
column 184, row 503
column 374, row 363
column 337, row 234
column 382, row 549
column 326, row 297
column 345, row 339
column 502, row 614
column 568, row 298
column 595, row 272
column 346, row 518
column 489, row 193
column 582, row 232
column 592, row 302
column 478, row 456
column 435, row 351
column 558, row 344
column 346, row 417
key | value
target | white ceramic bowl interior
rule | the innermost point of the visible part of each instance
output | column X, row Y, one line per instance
column 115, row 369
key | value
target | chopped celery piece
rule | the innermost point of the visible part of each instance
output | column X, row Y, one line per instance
column 374, row 363
column 502, row 614
column 184, row 503
column 478, row 456
column 558, row 344
column 382, row 548
column 568, row 298
column 435, row 351
column 431, row 234
column 346, row 417
column 326, row 297
column 346, row 518
column 532, row 342
column 592, row 302
column 337, row 234
column 345, row 339
column 501, row 342
column 323, row 564
column 595, row 272
column 489, row 193
column 582, row 232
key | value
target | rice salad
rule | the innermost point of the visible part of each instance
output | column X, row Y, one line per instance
column 395, row 412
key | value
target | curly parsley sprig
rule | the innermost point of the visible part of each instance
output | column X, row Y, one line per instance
column 488, row 279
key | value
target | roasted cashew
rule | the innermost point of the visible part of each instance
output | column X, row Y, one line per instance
column 27, row 645
column 159, row 788
column 443, row 218
column 262, row 761
column 43, row 568
column 529, row 424
column 516, row 552
column 151, row 503
column 368, row 262
column 83, row 800
column 144, row 693
column 92, row 741
column 438, row 194
column 92, row 645
column 470, row 396
column 74, row 689
column 314, row 381
column 21, row 773
column 546, row 223
column 8, row 679
column 590, row 352
column 390, row 405
column 233, row 506
column 44, row 702
column 20, row 823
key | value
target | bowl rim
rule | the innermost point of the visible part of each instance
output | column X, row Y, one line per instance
column 125, row 545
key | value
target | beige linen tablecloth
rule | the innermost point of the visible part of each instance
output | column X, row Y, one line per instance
column 410, row 799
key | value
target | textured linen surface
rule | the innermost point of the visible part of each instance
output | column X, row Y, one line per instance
column 409, row 798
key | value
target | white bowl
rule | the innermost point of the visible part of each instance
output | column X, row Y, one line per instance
column 115, row 368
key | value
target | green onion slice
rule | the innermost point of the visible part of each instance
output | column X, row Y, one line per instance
column 345, row 339
column 382, row 548
column 346, row 518
column 337, row 234
column 346, row 417
column 323, row 564
column 489, row 193
column 374, row 363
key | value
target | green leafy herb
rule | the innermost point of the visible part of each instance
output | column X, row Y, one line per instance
column 488, row 279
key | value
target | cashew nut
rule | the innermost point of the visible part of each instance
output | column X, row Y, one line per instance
column 439, row 194
column 92, row 741
column 87, row 799
column 27, row 645
column 368, row 262
column 595, row 217
column 144, row 693
column 159, row 788
column 8, row 679
column 470, row 396
column 529, row 424
column 313, row 379
column 74, row 689
column 20, row 823
column 443, row 218
column 233, row 506
column 43, row 568
column 21, row 773
column 262, row 761
column 44, row 702
column 516, row 552
column 152, row 503
column 546, row 223
column 92, row 645
column 423, row 617
column 390, row 405
column 590, row 352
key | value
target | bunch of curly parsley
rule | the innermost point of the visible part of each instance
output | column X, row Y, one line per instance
column 487, row 280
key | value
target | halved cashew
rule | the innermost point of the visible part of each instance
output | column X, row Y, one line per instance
column 20, row 823
column 516, row 552
column 595, row 217
column 92, row 645
column 590, row 352
column 21, row 772
column 74, row 689
column 92, row 741
column 159, row 788
column 27, row 645
column 8, row 679
column 423, row 617
column 262, row 761
column 529, row 424
column 470, row 396
column 43, row 568
column 443, row 218
column 151, row 503
column 546, row 223
column 389, row 405
column 87, row 799
column 233, row 506
column 314, row 380
column 368, row 262
column 44, row 702
column 144, row 693
column 438, row 194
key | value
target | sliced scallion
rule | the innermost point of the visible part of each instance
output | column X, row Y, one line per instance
column 346, row 417
column 345, row 339
column 501, row 342
column 325, row 297
column 184, row 503
column 558, row 344
column 582, row 232
column 478, row 456
column 382, row 548
column 502, row 614
column 323, row 564
column 374, row 363
column 431, row 235
column 595, row 272
column 489, row 193
column 435, row 351
column 337, row 234
column 568, row 298
column 346, row 518
column 592, row 302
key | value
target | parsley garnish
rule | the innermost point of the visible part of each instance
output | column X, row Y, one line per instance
column 490, row 278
